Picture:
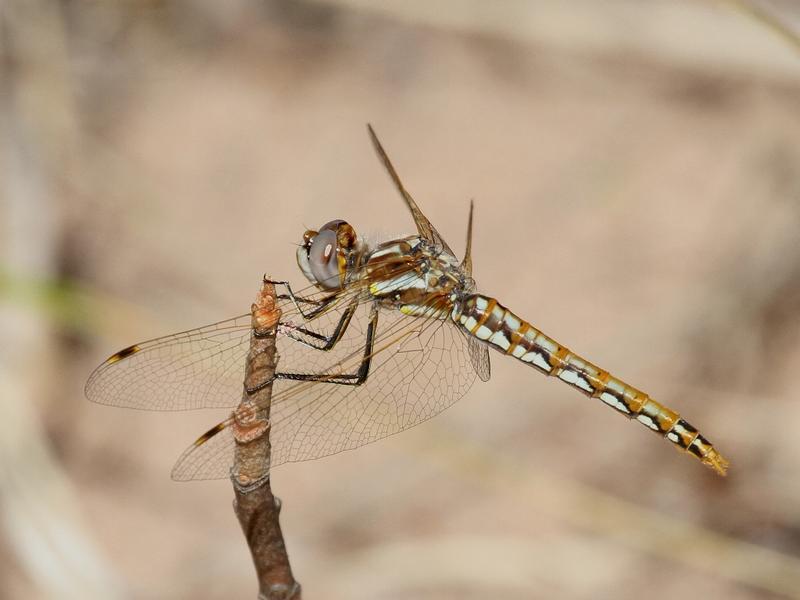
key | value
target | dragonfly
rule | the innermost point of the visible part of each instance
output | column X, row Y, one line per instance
column 386, row 336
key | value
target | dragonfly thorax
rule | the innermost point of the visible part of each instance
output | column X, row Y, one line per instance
column 415, row 278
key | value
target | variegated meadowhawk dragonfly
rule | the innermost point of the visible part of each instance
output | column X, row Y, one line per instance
column 386, row 337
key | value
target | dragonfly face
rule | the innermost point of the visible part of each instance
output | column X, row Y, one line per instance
column 327, row 255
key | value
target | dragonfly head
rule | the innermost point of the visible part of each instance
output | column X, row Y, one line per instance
column 326, row 254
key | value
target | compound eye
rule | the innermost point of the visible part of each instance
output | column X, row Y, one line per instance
column 323, row 259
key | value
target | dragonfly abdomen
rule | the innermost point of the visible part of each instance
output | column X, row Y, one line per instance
column 488, row 320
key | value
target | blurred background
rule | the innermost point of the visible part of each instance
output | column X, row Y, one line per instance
column 636, row 172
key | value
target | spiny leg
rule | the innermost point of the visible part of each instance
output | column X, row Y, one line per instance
column 357, row 378
column 327, row 342
column 320, row 305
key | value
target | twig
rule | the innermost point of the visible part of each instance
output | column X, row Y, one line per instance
column 255, row 506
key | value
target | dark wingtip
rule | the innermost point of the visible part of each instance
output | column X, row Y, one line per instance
column 124, row 353
column 209, row 434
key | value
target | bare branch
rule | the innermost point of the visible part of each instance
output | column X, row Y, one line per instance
column 255, row 506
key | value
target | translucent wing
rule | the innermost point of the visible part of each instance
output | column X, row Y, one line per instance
column 424, row 226
column 479, row 357
column 200, row 368
column 419, row 368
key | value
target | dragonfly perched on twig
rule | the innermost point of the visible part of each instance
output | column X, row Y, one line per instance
column 385, row 337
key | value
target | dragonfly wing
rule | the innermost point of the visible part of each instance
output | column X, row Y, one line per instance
column 419, row 368
column 424, row 226
column 479, row 357
column 211, row 460
column 199, row 368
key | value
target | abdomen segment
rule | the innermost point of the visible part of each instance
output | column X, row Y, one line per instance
column 491, row 322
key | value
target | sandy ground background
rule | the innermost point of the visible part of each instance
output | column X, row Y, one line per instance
column 636, row 172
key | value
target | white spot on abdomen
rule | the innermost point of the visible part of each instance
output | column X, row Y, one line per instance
column 570, row 377
column 483, row 333
column 548, row 344
column 499, row 339
column 512, row 322
column 575, row 379
column 645, row 420
column 615, row 402
column 537, row 359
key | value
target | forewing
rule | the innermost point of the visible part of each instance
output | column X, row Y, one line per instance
column 199, row 368
column 424, row 226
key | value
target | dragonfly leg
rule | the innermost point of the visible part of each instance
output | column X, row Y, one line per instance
column 321, row 341
column 320, row 305
column 355, row 379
